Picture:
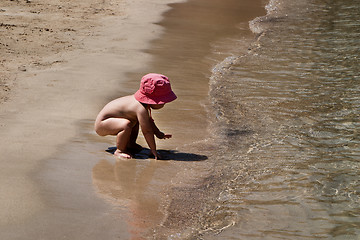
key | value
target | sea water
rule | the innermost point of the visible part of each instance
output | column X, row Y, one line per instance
column 287, row 116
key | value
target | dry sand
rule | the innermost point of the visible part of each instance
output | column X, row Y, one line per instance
column 32, row 30
column 59, row 59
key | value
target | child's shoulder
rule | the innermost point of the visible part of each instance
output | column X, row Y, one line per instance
column 124, row 99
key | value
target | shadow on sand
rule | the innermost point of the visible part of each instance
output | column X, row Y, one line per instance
column 166, row 155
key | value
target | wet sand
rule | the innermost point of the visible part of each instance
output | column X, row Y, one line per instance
column 55, row 174
column 60, row 62
column 198, row 35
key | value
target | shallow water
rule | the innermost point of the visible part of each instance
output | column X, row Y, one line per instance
column 288, row 114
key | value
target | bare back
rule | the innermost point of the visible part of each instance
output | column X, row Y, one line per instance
column 124, row 107
column 123, row 117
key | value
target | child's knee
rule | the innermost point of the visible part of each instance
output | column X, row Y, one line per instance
column 113, row 126
column 128, row 126
column 99, row 131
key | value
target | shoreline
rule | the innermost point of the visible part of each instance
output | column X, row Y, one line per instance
column 189, row 57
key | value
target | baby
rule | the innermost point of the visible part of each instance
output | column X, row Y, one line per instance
column 123, row 116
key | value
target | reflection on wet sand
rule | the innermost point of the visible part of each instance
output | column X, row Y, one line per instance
column 126, row 183
column 134, row 185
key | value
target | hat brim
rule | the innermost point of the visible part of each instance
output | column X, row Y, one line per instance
column 155, row 100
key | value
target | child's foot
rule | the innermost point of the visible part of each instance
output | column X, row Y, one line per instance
column 120, row 154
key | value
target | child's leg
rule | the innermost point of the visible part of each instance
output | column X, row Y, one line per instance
column 120, row 127
column 132, row 146
column 134, row 135
column 122, row 140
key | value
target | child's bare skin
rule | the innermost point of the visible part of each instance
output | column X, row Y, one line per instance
column 122, row 118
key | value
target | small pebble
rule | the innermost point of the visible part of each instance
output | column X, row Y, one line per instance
column 22, row 68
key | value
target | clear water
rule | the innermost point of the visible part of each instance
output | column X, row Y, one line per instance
column 287, row 115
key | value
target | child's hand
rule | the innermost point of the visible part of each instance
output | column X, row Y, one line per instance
column 162, row 135
column 166, row 136
column 156, row 155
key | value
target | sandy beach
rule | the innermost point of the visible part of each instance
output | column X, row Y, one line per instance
column 61, row 62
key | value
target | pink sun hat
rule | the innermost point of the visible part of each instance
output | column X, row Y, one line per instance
column 155, row 89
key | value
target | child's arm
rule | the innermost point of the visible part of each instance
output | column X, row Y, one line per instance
column 146, row 125
column 159, row 134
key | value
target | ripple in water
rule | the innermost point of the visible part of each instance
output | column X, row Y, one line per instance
column 288, row 117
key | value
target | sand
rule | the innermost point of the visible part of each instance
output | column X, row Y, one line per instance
column 65, row 60
column 59, row 59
